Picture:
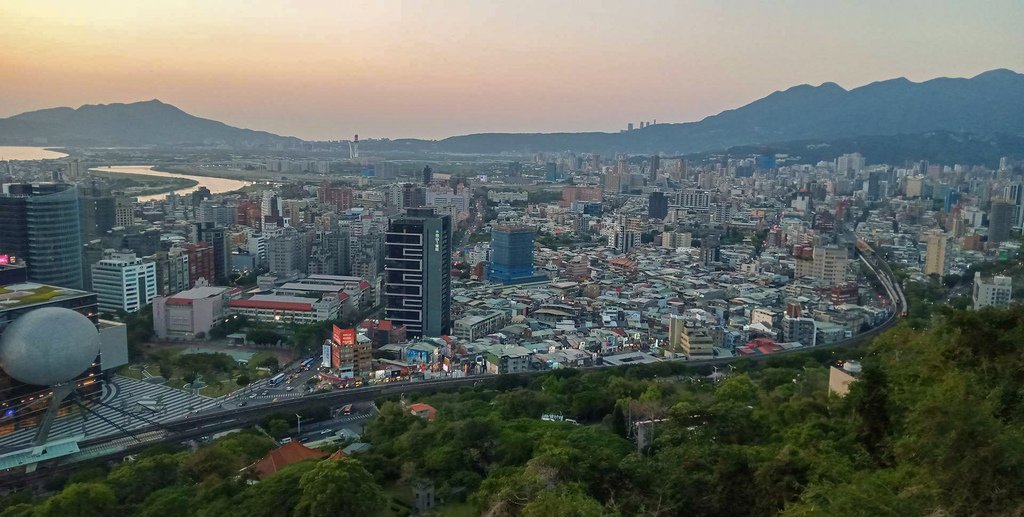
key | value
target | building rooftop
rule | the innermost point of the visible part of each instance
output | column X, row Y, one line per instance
column 26, row 294
column 283, row 456
column 271, row 301
column 197, row 293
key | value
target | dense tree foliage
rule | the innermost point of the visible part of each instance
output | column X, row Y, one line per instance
column 933, row 426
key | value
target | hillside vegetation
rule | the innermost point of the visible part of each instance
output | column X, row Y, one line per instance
column 932, row 427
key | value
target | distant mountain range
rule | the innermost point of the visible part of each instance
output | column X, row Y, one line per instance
column 986, row 105
column 139, row 123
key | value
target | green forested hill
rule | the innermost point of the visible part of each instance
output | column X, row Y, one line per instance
column 932, row 427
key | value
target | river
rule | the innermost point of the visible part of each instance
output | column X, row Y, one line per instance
column 216, row 185
column 9, row 152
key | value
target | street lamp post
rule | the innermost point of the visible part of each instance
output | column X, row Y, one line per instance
column 298, row 424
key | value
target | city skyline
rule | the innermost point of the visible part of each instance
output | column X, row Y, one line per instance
column 419, row 69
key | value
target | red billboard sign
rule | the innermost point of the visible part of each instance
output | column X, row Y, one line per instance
column 344, row 337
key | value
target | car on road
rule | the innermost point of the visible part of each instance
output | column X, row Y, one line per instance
column 243, row 403
column 289, row 388
column 327, row 431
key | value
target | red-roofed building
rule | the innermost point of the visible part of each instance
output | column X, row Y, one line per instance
column 761, row 345
column 285, row 309
column 424, row 411
column 281, row 457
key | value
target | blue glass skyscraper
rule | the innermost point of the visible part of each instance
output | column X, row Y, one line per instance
column 511, row 255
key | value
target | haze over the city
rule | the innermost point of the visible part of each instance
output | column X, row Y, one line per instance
column 326, row 70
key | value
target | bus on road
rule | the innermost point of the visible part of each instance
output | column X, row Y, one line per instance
column 277, row 379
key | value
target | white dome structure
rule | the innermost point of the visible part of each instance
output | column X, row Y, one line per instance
column 48, row 346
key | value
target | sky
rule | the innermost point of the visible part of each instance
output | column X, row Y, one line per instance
column 328, row 69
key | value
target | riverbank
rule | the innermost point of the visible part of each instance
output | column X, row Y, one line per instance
column 136, row 185
column 215, row 184
column 241, row 174
column 26, row 153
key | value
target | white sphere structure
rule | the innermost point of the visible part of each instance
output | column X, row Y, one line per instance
column 48, row 346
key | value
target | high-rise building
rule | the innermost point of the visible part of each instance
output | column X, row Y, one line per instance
column 993, row 292
column 330, row 254
column 511, row 254
column 675, row 240
column 950, row 201
column 849, row 163
column 936, row 261
column 286, row 253
column 657, row 205
column 413, row 196
column 827, row 264
column 338, row 197
column 417, row 268
column 123, row 282
column 98, row 211
column 216, row 236
column 1000, row 221
column 613, row 182
column 696, row 199
column 551, row 171
column 1014, row 193
column 124, row 210
column 655, row 166
column 200, row 263
column 218, row 214
column 39, row 224
column 74, row 170
column 710, row 252
column 171, row 271
column 428, row 175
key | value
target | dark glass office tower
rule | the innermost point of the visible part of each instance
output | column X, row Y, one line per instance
column 98, row 210
column 417, row 272
column 216, row 236
column 511, row 254
column 657, row 205
column 39, row 223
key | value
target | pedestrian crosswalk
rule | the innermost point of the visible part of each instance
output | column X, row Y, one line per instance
column 129, row 404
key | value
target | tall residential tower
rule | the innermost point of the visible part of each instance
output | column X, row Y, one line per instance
column 417, row 272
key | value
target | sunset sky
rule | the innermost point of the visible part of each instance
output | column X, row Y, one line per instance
column 328, row 69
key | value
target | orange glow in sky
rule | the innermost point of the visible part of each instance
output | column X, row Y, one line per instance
column 329, row 69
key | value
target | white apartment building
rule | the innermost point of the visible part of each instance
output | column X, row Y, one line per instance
column 123, row 282
column 994, row 292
